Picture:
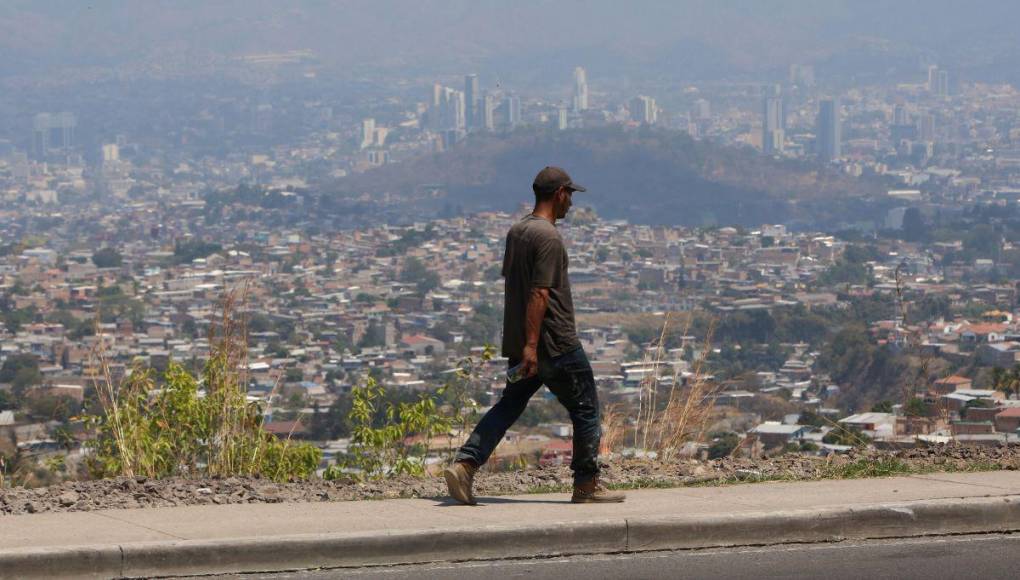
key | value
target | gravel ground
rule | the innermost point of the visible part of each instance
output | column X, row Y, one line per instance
column 139, row 492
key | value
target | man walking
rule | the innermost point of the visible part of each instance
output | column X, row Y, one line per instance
column 539, row 334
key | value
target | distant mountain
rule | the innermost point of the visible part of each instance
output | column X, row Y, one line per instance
column 519, row 41
column 646, row 176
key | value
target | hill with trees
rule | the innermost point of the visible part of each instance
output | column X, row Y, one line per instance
column 645, row 176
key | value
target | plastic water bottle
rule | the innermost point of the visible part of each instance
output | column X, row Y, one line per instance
column 515, row 373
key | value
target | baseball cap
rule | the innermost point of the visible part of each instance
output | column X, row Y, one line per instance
column 552, row 178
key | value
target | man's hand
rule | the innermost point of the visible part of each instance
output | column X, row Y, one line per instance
column 529, row 362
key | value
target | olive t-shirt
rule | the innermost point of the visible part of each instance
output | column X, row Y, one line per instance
column 536, row 258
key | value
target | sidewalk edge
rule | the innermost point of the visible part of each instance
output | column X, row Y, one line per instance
column 910, row 519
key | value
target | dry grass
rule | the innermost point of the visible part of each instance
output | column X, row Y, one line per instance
column 613, row 429
column 667, row 422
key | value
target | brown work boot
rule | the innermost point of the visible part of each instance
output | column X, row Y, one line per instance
column 594, row 492
column 459, row 478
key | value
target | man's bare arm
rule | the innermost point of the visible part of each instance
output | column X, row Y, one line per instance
column 538, row 302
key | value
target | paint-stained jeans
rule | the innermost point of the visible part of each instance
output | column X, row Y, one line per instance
column 570, row 378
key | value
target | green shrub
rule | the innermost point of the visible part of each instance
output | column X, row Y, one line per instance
column 722, row 445
column 176, row 431
column 400, row 444
column 391, row 449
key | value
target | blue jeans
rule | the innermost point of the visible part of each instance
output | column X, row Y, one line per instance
column 570, row 378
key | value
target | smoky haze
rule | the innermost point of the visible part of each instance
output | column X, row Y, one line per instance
column 529, row 40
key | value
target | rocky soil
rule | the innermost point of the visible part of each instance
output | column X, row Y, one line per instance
column 139, row 492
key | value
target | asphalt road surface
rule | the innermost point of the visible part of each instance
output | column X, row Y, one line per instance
column 967, row 557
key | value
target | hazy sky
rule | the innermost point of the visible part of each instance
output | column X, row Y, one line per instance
column 693, row 37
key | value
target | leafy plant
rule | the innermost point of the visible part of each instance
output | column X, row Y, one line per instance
column 458, row 393
column 180, row 430
column 400, row 446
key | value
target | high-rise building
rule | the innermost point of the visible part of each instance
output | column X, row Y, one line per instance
column 692, row 129
column 926, row 127
column 436, row 95
column 449, row 110
column 561, row 118
column 943, row 83
column 489, row 112
column 513, row 111
column 20, row 169
column 112, row 167
column 435, row 107
column 41, row 135
column 773, row 122
column 702, row 109
column 899, row 115
column 902, row 128
column 377, row 157
column 643, row 110
column 472, row 102
column 52, row 131
column 827, row 131
column 802, row 75
column 111, row 152
column 450, row 137
column 458, row 109
column 933, row 78
column 580, row 90
column 367, row 133
column 444, row 118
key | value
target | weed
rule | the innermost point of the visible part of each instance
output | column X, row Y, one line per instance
column 391, row 449
column 401, row 445
column 668, row 427
column 180, row 429
column 862, row 468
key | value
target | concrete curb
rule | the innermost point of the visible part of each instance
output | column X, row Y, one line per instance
column 911, row 519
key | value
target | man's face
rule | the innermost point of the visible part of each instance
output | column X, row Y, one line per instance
column 563, row 202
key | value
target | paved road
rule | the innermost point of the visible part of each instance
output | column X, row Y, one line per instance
column 972, row 557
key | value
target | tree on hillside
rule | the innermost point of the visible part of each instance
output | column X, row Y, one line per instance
column 845, row 272
column 915, row 407
column 332, row 422
column 1007, row 381
column 22, row 372
column 17, row 363
column 14, row 318
column 861, row 253
column 188, row 250
column 809, row 417
column 375, row 335
column 53, row 408
column 914, row 227
column 849, row 353
column 882, row 407
column 7, row 401
column 755, row 326
column 868, row 372
column 982, row 241
column 931, row 307
column 107, row 258
column 415, row 272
